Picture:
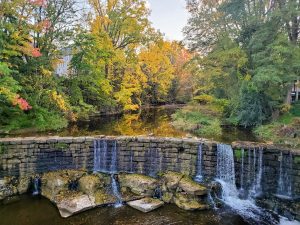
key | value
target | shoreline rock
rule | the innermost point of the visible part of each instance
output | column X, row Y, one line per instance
column 146, row 204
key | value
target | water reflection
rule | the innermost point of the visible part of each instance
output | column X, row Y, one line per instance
column 39, row 211
column 154, row 121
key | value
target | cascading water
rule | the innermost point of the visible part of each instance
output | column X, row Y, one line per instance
column 113, row 165
column 115, row 190
column 36, row 186
column 105, row 160
column 105, row 156
column 249, row 168
column 256, row 188
column 242, row 169
column 230, row 195
column 199, row 175
column 285, row 176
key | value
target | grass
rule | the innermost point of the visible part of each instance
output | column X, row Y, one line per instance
column 284, row 130
column 198, row 119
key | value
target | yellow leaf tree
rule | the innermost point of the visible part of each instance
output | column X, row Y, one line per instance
column 155, row 62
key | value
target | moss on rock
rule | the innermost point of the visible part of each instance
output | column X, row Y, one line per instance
column 89, row 184
column 171, row 180
column 167, row 197
column 189, row 186
column 102, row 197
column 138, row 184
column 53, row 183
column 188, row 202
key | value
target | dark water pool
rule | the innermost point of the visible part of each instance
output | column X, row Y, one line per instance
column 28, row 210
column 155, row 121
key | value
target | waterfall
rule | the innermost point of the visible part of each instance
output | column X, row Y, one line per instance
column 113, row 165
column 249, row 168
column 284, row 188
column 225, row 164
column 105, row 156
column 254, row 167
column 211, row 201
column 97, row 165
column 199, row 175
column 230, row 195
column 36, row 186
column 242, row 169
column 256, row 189
column 115, row 190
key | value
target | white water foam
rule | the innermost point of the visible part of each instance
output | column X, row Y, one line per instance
column 115, row 190
column 199, row 176
column 285, row 221
column 230, row 195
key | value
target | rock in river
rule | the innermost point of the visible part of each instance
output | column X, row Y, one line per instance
column 75, row 203
column 146, row 204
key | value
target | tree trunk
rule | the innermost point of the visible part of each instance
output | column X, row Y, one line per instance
column 297, row 91
column 289, row 96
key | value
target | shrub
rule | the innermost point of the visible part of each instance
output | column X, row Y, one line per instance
column 221, row 104
column 285, row 108
column 204, row 99
column 193, row 120
column 212, row 129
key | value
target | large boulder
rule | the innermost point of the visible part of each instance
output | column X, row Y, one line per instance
column 8, row 187
column 23, row 184
column 102, row 197
column 183, row 191
column 89, row 184
column 146, row 204
column 138, row 184
column 53, row 183
column 187, row 202
column 76, row 191
column 128, row 196
column 73, row 202
column 189, row 186
column 171, row 180
column 74, row 175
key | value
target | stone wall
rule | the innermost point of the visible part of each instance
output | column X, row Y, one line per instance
column 28, row 156
column 146, row 155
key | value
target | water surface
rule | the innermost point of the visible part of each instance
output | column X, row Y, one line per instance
column 30, row 210
column 154, row 121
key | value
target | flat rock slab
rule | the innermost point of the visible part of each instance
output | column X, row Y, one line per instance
column 146, row 204
column 71, row 206
column 191, row 187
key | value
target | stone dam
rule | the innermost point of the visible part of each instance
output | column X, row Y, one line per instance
column 268, row 173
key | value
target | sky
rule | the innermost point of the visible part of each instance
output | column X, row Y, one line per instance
column 169, row 16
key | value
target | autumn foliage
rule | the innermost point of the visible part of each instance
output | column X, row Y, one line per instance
column 21, row 103
column 119, row 61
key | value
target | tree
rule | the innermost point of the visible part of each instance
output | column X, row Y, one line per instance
column 204, row 26
column 124, row 21
column 181, row 89
column 253, row 50
column 155, row 62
